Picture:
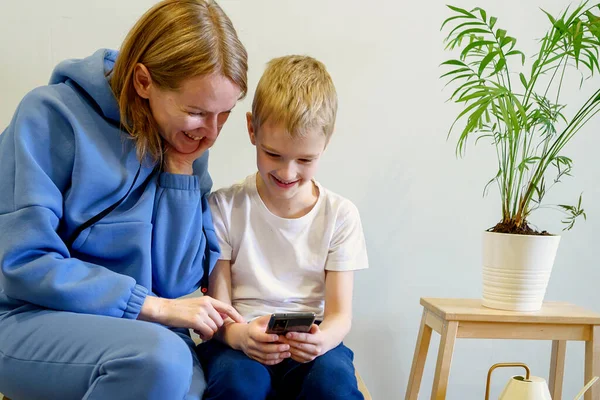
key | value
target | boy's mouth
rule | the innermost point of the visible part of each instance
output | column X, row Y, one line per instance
column 284, row 184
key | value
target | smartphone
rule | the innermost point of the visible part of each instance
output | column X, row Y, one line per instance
column 282, row 323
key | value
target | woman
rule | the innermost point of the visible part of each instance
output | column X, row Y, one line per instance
column 104, row 215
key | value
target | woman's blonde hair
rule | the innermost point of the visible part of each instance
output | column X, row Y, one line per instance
column 298, row 93
column 175, row 40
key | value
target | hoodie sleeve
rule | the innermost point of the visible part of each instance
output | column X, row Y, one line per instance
column 183, row 237
column 36, row 160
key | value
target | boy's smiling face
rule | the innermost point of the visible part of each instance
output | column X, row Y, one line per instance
column 286, row 165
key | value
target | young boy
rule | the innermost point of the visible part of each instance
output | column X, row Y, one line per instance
column 288, row 245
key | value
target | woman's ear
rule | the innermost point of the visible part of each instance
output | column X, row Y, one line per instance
column 142, row 80
column 250, row 126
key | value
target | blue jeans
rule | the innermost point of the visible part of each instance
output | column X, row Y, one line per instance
column 230, row 374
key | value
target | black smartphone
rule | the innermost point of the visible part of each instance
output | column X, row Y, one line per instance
column 282, row 323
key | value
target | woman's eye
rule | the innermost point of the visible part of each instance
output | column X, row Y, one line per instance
column 273, row 155
column 196, row 114
column 305, row 161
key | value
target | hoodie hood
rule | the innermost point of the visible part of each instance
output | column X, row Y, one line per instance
column 91, row 75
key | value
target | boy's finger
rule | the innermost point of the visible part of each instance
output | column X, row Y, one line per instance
column 301, row 337
column 265, row 337
column 272, row 348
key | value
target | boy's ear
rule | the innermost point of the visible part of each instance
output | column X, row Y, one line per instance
column 251, row 132
column 142, row 81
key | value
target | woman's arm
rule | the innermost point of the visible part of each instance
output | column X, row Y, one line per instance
column 36, row 160
column 184, row 240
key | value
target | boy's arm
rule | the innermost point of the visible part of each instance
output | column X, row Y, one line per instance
column 247, row 337
column 219, row 287
column 305, row 347
column 337, row 318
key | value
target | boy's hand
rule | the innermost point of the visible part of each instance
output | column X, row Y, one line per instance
column 263, row 347
column 305, row 347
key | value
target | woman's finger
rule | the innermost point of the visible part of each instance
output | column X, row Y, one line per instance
column 227, row 309
column 204, row 331
column 214, row 316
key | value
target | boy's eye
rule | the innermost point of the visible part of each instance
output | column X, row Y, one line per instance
column 305, row 161
column 197, row 114
column 272, row 155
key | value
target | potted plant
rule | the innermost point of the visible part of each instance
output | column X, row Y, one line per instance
column 520, row 112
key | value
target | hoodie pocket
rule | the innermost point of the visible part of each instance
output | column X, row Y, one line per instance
column 123, row 247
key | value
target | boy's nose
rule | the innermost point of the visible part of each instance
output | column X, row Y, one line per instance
column 288, row 172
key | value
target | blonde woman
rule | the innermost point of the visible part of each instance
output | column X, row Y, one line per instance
column 104, row 214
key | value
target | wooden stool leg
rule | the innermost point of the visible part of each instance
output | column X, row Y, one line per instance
column 592, row 363
column 418, row 364
column 557, row 368
column 442, row 369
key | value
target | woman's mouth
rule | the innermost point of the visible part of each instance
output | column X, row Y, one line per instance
column 195, row 138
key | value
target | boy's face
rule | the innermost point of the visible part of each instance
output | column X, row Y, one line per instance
column 286, row 165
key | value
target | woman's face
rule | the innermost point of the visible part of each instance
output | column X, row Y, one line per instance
column 192, row 115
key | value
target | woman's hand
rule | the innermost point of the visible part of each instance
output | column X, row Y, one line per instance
column 182, row 163
column 204, row 314
column 305, row 347
column 260, row 346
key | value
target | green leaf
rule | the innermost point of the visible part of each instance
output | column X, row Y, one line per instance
column 486, row 60
column 499, row 65
column 481, row 12
column 523, row 80
column 493, row 22
column 515, row 53
column 550, row 17
column 500, row 33
column 454, row 62
column 447, row 20
column 468, row 23
column 577, row 38
column 455, row 71
column 476, row 44
column 471, row 31
column 462, row 11
column 468, row 86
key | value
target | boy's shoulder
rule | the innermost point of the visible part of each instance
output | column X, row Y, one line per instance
column 229, row 197
column 340, row 205
column 240, row 188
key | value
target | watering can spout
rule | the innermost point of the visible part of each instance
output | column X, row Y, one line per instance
column 527, row 387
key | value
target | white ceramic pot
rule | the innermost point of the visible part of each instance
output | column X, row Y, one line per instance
column 516, row 270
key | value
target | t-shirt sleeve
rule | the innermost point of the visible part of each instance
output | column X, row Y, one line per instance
column 221, row 223
column 348, row 250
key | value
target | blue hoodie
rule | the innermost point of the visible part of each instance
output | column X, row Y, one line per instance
column 63, row 159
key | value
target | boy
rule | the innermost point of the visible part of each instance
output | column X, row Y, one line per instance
column 288, row 245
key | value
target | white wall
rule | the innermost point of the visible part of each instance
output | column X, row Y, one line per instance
column 422, row 209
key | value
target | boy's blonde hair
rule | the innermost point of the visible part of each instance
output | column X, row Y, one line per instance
column 298, row 93
column 175, row 40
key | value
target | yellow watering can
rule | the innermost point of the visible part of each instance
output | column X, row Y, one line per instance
column 527, row 387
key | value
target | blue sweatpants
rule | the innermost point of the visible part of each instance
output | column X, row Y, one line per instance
column 230, row 374
column 48, row 354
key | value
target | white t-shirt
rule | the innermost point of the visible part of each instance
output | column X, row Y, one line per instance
column 278, row 264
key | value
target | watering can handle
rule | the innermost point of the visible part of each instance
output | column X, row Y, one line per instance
column 503, row 365
column 586, row 387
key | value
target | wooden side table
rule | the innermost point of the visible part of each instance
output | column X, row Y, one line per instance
column 467, row 318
